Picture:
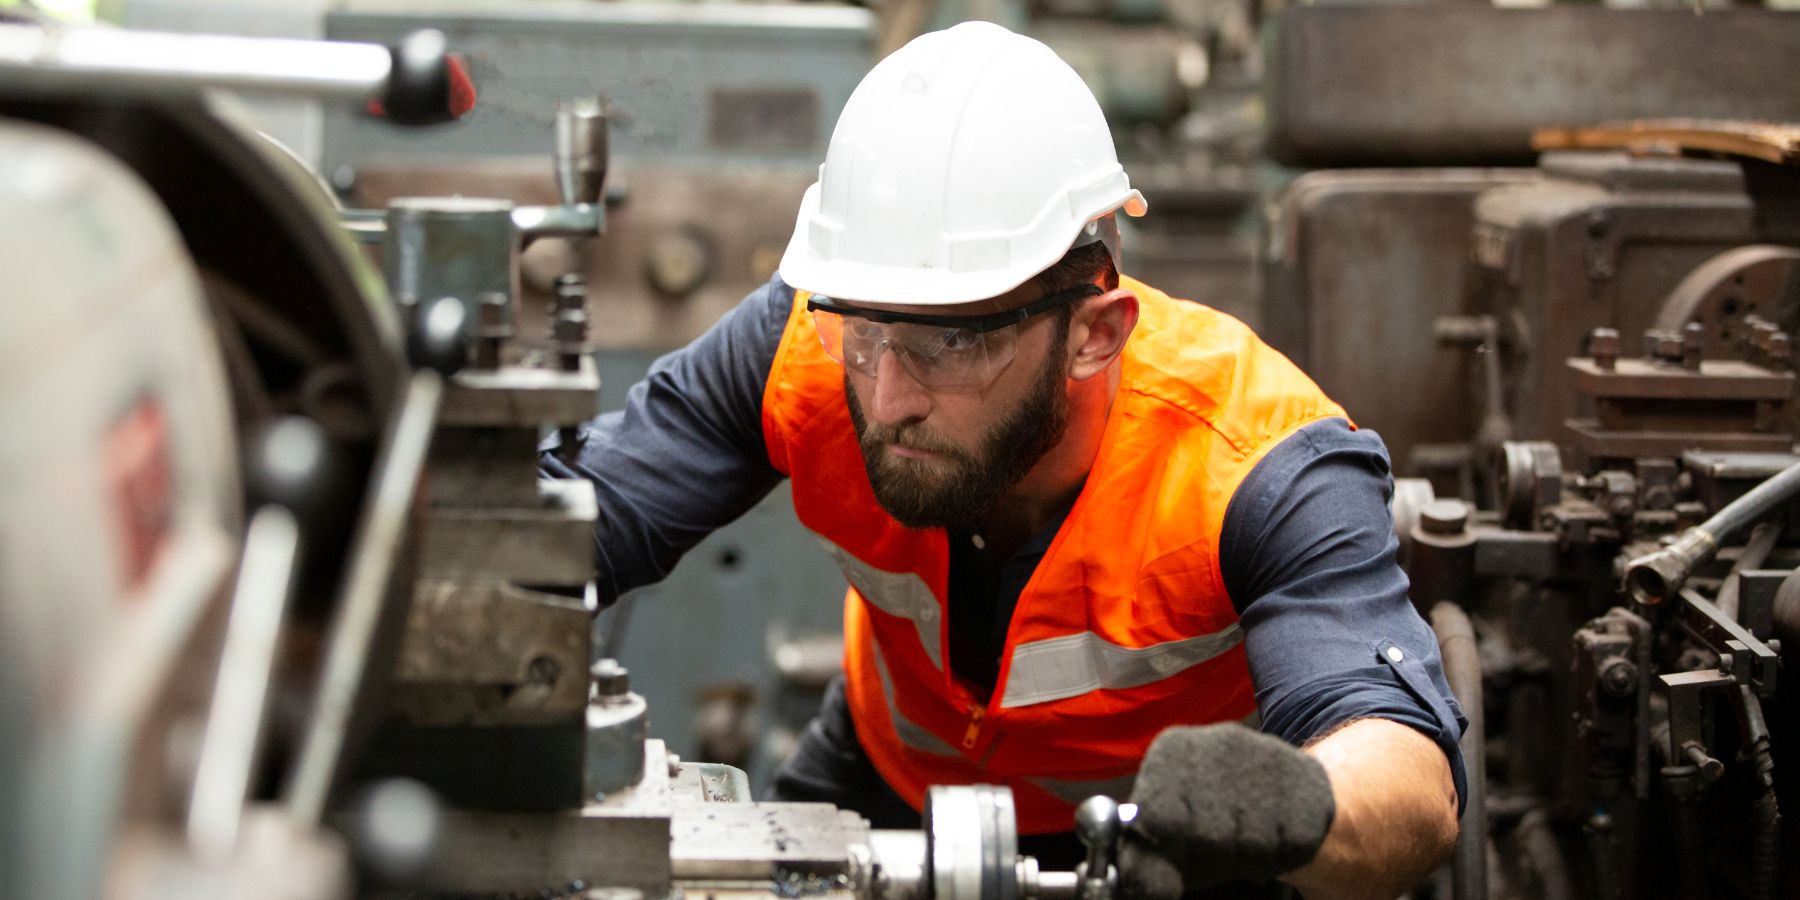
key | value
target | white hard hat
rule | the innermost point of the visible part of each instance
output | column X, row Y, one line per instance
column 965, row 163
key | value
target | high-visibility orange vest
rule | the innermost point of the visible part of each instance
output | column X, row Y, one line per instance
column 1124, row 629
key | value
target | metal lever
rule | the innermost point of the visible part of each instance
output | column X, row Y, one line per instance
column 581, row 150
column 580, row 156
column 301, row 489
column 411, row 80
column 1098, row 822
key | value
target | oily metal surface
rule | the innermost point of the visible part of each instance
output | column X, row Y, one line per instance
column 750, row 840
column 491, row 653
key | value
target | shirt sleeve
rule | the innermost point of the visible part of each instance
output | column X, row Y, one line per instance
column 1308, row 555
column 686, row 455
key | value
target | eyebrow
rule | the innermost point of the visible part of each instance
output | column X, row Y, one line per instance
column 989, row 322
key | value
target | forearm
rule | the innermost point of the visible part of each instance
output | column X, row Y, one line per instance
column 1396, row 812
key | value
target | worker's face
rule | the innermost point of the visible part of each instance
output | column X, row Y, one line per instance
column 940, row 457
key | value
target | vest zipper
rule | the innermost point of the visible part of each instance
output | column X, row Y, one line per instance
column 973, row 732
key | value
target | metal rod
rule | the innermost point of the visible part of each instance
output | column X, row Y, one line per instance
column 577, row 220
column 234, row 724
column 373, row 561
column 1756, row 552
column 1545, row 854
column 151, row 62
column 1057, row 886
column 1462, row 668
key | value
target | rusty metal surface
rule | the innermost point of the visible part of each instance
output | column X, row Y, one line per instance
column 491, row 654
column 1760, row 279
column 1723, row 379
column 621, row 842
column 551, row 544
column 1363, row 263
column 1599, row 242
column 1466, row 83
column 1767, row 141
column 1642, row 408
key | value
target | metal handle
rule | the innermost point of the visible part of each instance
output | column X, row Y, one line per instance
column 147, row 61
column 246, row 667
column 1098, row 822
column 411, row 79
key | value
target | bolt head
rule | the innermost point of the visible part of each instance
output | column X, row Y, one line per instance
column 1619, row 678
column 610, row 678
column 1444, row 517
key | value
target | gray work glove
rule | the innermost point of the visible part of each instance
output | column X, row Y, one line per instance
column 1220, row 803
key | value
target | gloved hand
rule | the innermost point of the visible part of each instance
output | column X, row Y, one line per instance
column 1219, row 803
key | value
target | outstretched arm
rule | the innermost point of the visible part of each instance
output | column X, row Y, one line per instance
column 1362, row 813
column 686, row 455
column 1343, row 664
column 1396, row 812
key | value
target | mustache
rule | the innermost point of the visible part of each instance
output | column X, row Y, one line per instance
column 911, row 436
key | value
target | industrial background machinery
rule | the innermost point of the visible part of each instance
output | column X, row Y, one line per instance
column 286, row 607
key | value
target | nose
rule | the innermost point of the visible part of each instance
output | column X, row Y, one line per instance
column 897, row 398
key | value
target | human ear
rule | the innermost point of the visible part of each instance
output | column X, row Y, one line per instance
column 1099, row 332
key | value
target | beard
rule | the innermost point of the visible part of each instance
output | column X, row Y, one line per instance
column 956, row 489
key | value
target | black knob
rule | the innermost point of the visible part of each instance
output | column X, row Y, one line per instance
column 290, row 462
column 396, row 828
column 439, row 338
column 426, row 85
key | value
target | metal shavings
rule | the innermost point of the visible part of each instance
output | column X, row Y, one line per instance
column 792, row 884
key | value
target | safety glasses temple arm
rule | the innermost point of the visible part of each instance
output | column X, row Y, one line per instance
column 991, row 322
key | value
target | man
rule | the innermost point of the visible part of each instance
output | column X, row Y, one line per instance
column 1075, row 514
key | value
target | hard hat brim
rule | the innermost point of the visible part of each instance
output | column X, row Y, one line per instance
column 805, row 269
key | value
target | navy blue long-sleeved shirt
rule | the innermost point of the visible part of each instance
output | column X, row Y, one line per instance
column 1307, row 551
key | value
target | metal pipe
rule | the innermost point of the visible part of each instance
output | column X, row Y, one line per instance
column 148, row 62
column 246, row 669
column 1539, row 845
column 1682, row 785
column 1462, row 668
column 1756, row 552
column 1765, row 854
column 1603, row 846
column 1656, row 576
column 1787, row 611
column 371, row 603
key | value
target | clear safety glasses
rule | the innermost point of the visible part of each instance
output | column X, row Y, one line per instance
column 938, row 351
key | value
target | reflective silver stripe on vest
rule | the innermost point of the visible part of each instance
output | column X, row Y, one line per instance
column 1075, row 664
column 902, row 594
column 911, row 733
